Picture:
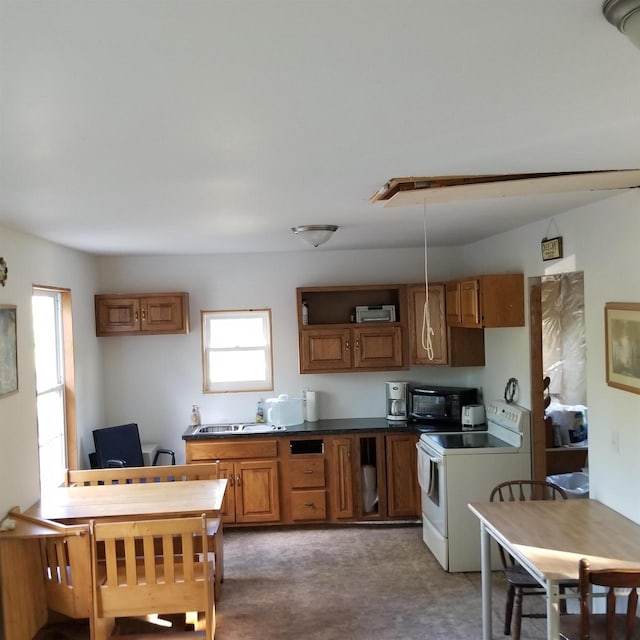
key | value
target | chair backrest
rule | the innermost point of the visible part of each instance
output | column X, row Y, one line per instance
column 614, row 580
column 130, row 475
column 523, row 490
column 65, row 556
column 118, row 443
column 152, row 566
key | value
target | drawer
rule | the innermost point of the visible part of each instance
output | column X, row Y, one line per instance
column 309, row 505
column 229, row 449
column 306, row 472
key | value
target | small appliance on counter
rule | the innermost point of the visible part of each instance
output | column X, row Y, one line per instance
column 474, row 418
column 397, row 401
column 284, row 411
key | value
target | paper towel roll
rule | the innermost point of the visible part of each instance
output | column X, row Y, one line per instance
column 312, row 408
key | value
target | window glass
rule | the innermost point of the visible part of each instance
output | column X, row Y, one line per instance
column 237, row 350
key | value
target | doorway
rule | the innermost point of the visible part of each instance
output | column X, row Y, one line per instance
column 558, row 374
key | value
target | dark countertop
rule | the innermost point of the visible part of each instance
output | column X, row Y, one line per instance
column 334, row 426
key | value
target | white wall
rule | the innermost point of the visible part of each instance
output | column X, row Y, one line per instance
column 602, row 241
column 35, row 262
column 154, row 380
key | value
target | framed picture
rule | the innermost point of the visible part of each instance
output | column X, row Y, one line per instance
column 622, row 339
column 8, row 350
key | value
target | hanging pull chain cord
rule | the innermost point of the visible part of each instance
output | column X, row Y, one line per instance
column 510, row 390
column 427, row 330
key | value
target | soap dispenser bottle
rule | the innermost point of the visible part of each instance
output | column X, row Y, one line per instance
column 195, row 416
column 260, row 411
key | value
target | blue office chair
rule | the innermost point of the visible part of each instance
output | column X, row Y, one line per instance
column 121, row 447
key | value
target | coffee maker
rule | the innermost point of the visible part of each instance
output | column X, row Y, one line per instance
column 397, row 401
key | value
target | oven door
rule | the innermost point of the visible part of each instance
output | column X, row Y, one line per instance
column 432, row 481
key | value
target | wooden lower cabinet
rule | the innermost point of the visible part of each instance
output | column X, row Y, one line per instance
column 306, row 479
column 341, row 474
column 252, row 491
column 251, row 468
column 403, row 493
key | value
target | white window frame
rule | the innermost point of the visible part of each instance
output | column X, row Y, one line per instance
column 63, row 391
column 218, row 385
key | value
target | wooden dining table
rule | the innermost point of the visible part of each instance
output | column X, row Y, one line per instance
column 548, row 538
column 142, row 500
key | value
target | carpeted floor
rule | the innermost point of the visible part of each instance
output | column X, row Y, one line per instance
column 356, row 583
column 346, row 583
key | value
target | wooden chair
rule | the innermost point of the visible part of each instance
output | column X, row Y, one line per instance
column 609, row 625
column 520, row 582
column 165, row 473
column 151, row 567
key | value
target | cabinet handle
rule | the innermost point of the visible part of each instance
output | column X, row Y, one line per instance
column 309, row 504
column 238, row 480
column 348, row 345
column 230, row 479
column 357, row 344
column 308, row 471
column 144, row 313
column 136, row 315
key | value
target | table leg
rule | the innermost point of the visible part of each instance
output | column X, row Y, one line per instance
column 553, row 610
column 485, row 566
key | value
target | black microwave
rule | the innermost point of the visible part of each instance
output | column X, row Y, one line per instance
column 441, row 405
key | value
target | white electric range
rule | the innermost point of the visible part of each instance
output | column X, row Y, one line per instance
column 457, row 468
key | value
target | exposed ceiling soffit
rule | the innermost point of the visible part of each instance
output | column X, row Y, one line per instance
column 401, row 192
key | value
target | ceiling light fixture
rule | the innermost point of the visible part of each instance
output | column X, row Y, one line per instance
column 315, row 234
column 625, row 15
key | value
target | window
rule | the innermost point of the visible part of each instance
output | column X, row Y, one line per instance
column 54, row 385
column 236, row 350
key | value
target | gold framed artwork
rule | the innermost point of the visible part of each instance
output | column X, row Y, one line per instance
column 8, row 350
column 622, row 340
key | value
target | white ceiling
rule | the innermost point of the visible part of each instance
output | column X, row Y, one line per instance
column 204, row 126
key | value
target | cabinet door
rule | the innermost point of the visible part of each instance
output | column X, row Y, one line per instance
column 257, row 493
column 454, row 310
column 342, row 477
column 117, row 315
column 377, row 348
column 325, row 350
column 161, row 314
column 437, row 318
column 402, row 482
column 228, row 509
column 470, row 303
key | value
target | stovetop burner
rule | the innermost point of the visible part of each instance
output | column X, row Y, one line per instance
column 468, row 440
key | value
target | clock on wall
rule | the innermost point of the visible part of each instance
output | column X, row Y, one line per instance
column 3, row 271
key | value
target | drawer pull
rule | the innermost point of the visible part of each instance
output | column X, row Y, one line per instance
column 308, row 471
column 309, row 504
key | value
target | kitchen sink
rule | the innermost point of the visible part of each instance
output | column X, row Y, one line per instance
column 253, row 427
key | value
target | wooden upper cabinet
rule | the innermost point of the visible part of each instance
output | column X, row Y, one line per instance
column 453, row 346
column 486, row 301
column 142, row 314
column 332, row 341
column 417, row 297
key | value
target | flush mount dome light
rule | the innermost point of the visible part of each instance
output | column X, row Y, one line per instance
column 625, row 15
column 315, row 234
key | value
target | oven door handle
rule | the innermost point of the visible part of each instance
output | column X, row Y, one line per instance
column 432, row 458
